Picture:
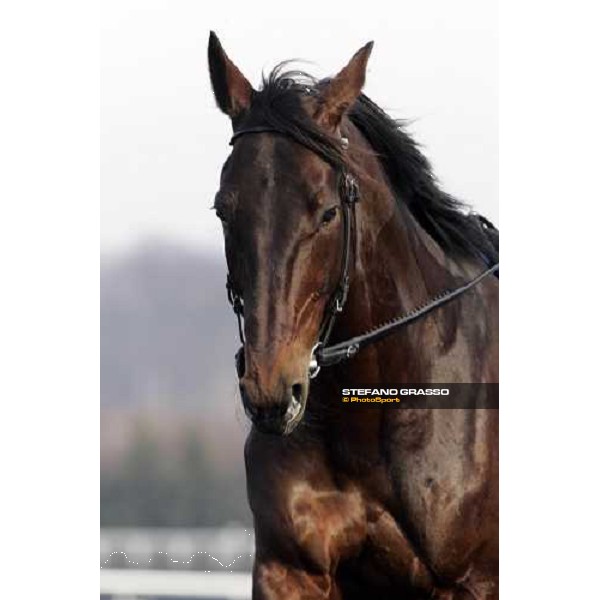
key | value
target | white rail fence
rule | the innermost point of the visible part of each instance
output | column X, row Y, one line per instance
column 207, row 549
column 210, row 563
column 121, row 584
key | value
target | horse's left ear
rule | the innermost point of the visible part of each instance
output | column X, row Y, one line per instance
column 340, row 93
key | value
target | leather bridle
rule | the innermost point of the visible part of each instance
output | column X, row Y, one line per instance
column 323, row 355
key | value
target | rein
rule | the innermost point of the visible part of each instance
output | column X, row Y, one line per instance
column 323, row 355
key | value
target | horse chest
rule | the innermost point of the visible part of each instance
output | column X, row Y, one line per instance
column 429, row 489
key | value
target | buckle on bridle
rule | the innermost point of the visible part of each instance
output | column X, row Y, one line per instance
column 342, row 295
column 350, row 189
column 234, row 298
column 238, row 305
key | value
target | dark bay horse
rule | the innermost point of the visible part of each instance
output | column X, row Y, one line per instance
column 369, row 503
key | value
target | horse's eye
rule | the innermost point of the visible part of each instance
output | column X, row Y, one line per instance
column 220, row 213
column 222, row 206
column 329, row 215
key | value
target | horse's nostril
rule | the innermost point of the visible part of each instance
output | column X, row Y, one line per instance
column 297, row 392
column 295, row 404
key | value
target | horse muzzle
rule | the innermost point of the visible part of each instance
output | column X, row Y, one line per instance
column 277, row 413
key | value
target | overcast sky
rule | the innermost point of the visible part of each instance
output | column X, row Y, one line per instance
column 163, row 140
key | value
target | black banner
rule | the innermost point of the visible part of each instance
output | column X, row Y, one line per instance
column 433, row 395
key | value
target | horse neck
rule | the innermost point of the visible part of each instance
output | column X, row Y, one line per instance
column 398, row 267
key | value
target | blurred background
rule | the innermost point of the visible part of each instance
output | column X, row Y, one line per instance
column 173, row 509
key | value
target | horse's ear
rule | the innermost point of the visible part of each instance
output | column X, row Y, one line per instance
column 339, row 93
column 232, row 90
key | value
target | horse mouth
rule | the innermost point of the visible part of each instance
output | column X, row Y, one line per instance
column 275, row 414
column 284, row 424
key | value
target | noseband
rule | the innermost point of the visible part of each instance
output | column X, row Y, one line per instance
column 323, row 355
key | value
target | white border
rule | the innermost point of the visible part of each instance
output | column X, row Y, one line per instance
column 549, row 324
column 49, row 326
column 50, row 300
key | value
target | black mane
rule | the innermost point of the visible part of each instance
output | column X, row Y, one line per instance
column 446, row 219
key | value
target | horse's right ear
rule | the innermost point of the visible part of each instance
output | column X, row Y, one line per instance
column 340, row 93
column 232, row 90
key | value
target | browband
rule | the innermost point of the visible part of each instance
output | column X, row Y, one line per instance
column 259, row 129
